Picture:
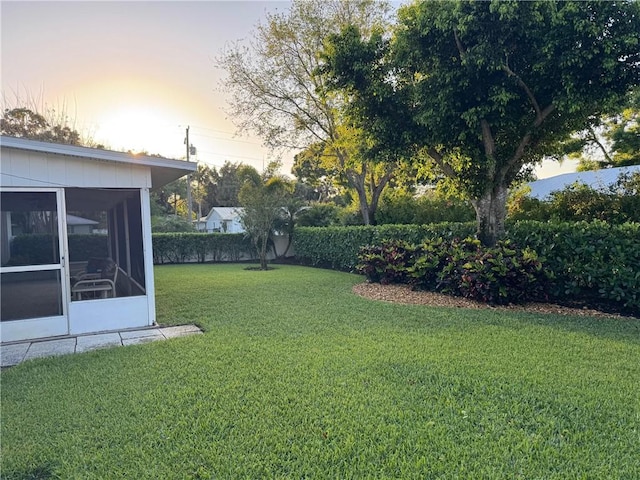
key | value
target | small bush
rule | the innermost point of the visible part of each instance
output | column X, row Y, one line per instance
column 387, row 263
column 499, row 275
column 431, row 259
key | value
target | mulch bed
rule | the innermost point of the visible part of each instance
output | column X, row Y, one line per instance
column 404, row 294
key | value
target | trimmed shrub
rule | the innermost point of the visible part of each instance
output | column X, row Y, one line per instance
column 33, row 249
column 331, row 247
column 419, row 233
column 183, row 247
column 591, row 261
column 338, row 247
column 498, row 275
column 387, row 263
column 37, row 248
column 82, row 247
column 167, row 247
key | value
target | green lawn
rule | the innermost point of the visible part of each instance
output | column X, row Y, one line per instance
column 296, row 377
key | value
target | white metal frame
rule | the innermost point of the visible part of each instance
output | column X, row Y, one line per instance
column 86, row 316
column 139, row 172
column 14, row 330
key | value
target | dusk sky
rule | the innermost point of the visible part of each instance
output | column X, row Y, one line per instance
column 133, row 75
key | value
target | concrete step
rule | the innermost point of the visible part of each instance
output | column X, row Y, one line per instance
column 16, row 352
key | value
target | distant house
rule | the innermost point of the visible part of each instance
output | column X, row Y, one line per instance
column 222, row 219
column 596, row 179
column 80, row 225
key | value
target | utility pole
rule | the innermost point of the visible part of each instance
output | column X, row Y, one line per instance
column 189, row 212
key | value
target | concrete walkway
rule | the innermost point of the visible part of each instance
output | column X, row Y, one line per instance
column 16, row 352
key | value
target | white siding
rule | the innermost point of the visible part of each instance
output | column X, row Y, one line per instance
column 39, row 166
column 29, row 169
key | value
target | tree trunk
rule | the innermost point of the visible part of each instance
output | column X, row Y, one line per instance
column 369, row 204
column 356, row 180
column 263, row 253
column 491, row 211
column 364, row 207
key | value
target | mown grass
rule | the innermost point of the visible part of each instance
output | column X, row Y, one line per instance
column 296, row 377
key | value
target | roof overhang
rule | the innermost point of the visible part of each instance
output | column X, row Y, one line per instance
column 163, row 170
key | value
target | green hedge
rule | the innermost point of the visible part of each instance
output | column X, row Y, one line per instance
column 590, row 261
column 184, row 247
column 167, row 248
column 82, row 247
column 595, row 261
column 37, row 249
column 338, row 247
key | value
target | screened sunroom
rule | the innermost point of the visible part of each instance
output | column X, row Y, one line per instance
column 75, row 232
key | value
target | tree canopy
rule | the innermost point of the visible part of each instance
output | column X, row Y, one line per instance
column 486, row 88
column 612, row 142
column 25, row 123
column 280, row 93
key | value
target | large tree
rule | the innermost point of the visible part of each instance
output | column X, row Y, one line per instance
column 614, row 141
column 279, row 92
column 23, row 122
column 216, row 187
column 486, row 88
column 353, row 163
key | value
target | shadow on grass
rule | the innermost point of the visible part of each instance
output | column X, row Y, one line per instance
column 39, row 472
column 626, row 329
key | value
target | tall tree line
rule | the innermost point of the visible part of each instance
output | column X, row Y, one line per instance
column 211, row 187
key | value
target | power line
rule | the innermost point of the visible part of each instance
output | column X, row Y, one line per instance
column 200, row 135
column 226, row 132
column 229, row 155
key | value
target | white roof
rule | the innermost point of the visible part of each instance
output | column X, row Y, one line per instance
column 163, row 170
column 225, row 213
column 596, row 179
column 75, row 220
